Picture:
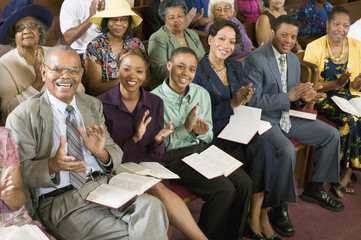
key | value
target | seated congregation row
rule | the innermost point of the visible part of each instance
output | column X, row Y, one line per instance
column 193, row 117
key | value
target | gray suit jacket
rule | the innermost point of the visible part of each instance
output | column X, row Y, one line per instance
column 261, row 69
column 31, row 124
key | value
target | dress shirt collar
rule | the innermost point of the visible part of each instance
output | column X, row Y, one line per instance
column 60, row 105
column 173, row 96
column 113, row 97
column 278, row 54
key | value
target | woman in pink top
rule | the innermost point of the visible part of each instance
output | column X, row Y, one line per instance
column 249, row 10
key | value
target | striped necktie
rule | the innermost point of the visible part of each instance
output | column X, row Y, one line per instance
column 285, row 121
column 77, row 179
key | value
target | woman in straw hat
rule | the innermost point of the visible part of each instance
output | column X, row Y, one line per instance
column 24, row 26
column 116, row 22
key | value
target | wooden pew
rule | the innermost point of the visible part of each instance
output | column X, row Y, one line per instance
column 354, row 9
column 251, row 32
column 140, row 10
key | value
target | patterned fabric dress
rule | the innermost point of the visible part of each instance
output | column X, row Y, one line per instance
column 100, row 51
column 347, row 124
column 311, row 21
column 9, row 156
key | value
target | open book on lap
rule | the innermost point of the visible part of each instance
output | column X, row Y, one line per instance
column 352, row 106
column 153, row 169
column 244, row 124
column 121, row 188
column 213, row 162
column 27, row 231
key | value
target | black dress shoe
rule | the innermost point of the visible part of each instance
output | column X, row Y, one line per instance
column 318, row 195
column 273, row 237
column 248, row 232
column 281, row 221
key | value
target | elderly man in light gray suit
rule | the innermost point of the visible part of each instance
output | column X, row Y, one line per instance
column 274, row 71
column 44, row 136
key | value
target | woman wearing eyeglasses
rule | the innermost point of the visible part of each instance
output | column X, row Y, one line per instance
column 224, row 9
column 24, row 26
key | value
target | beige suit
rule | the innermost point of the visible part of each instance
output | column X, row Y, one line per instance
column 68, row 215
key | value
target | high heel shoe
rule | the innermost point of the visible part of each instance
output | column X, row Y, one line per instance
column 273, row 237
column 252, row 235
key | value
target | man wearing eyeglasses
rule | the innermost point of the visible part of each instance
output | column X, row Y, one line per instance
column 61, row 162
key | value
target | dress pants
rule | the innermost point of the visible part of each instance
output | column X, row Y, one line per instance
column 224, row 212
column 69, row 217
column 260, row 163
column 325, row 141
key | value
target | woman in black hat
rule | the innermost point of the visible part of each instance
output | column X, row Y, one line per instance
column 24, row 26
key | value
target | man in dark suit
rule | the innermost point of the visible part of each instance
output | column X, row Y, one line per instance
column 61, row 162
column 274, row 71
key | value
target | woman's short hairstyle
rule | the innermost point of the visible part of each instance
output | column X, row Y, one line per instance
column 338, row 9
column 214, row 2
column 218, row 25
column 134, row 51
column 128, row 33
column 43, row 32
column 163, row 6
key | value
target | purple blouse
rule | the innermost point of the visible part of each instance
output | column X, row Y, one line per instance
column 244, row 47
column 122, row 125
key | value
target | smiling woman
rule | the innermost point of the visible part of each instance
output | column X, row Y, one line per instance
column 24, row 26
column 222, row 78
column 134, row 119
column 116, row 23
column 172, row 35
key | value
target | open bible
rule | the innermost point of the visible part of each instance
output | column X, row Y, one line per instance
column 153, row 169
column 213, row 162
column 352, row 106
column 27, row 231
column 121, row 188
column 244, row 124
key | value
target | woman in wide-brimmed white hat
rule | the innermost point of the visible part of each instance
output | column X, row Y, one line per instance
column 116, row 22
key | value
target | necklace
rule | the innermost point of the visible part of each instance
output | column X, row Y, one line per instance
column 218, row 71
column 330, row 52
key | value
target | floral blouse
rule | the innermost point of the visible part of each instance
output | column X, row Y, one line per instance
column 9, row 156
column 311, row 20
column 100, row 51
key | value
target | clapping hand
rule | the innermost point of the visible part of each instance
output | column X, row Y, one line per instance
column 6, row 183
column 164, row 133
column 96, row 5
column 201, row 127
column 343, row 78
column 193, row 17
column 356, row 84
column 94, row 140
column 191, row 117
column 62, row 162
column 242, row 96
column 313, row 95
column 142, row 127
